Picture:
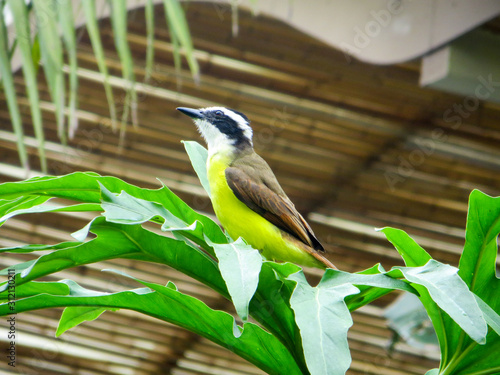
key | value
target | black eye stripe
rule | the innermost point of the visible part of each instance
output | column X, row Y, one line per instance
column 219, row 113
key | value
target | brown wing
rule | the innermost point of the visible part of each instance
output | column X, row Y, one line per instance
column 277, row 209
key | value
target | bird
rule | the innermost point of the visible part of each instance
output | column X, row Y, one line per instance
column 246, row 196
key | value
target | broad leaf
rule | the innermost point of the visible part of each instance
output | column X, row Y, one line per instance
column 323, row 319
column 412, row 253
column 126, row 209
column 451, row 294
column 240, row 265
column 125, row 241
column 165, row 303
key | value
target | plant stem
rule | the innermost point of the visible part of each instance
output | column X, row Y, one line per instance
column 457, row 358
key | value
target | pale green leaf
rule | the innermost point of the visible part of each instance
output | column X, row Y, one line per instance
column 150, row 37
column 323, row 319
column 66, row 21
column 451, row 294
column 10, row 94
column 179, row 27
column 23, row 37
column 240, row 266
column 198, row 156
column 95, row 38
column 52, row 57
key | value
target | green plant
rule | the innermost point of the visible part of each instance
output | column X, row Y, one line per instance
column 54, row 37
column 301, row 329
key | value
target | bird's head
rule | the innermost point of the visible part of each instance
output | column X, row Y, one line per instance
column 222, row 128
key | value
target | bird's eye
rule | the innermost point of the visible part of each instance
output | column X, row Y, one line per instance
column 218, row 113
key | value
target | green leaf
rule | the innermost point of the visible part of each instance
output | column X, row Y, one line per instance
column 126, row 209
column 95, row 38
column 240, row 265
column 19, row 203
column 411, row 252
column 477, row 268
column 150, row 36
column 52, row 58
column 31, row 248
column 126, row 241
column 478, row 261
column 17, row 268
column 451, row 294
column 33, row 288
column 371, row 285
column 270, row 306
column 84, row 187
column 82, row 207
column 323, row 319
column 176, row 19
column 10, row 93
column 176, row 52
column 165, row 303
column 23, row 37
column 65, row 14
column 119, row 24
column 491, row 317
column 75, row 315
column 198, row 156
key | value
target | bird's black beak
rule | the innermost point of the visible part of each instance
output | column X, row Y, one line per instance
column 193, row 113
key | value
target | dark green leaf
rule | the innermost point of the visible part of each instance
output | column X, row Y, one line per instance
column 34, row 288
column 411, row 252
column 254, row 344
column 478, row 261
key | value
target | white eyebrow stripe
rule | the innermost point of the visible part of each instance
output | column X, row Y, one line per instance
column 242, row 123
column 234, row 116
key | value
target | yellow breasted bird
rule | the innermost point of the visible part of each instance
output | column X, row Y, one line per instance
column 246, row 196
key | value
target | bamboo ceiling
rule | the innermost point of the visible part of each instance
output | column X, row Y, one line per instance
column 355, row 146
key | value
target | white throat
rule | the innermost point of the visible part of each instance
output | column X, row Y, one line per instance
column 217, row 142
